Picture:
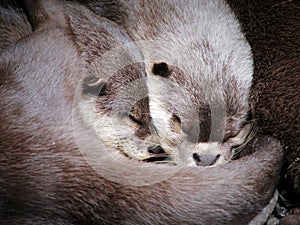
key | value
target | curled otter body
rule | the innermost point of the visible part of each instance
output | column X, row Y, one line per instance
column 45, row 179
column 272, row 31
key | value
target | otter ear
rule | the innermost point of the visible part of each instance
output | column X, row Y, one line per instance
column 161, row 69
column 44, row 13
column 93, row 34
column 105, row 48
column 14, row 24
column 94, row 86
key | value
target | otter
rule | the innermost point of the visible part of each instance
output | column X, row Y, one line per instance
column 270, row 46
column 45, row 178
column 272, row 41
column 14, row 22
column 199, row 73
column 272, row 28
column 114, row 96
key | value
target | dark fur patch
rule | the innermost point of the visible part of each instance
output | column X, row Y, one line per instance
column 112, row 10
column 13, row 23
column 272, row 29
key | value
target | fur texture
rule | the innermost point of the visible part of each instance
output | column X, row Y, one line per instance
column 116, row 106
column 45, row 179
column 13, row 22
column 209, row 72
column 272, row 29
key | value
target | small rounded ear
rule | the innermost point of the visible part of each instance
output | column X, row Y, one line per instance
column 43, row 13
column 14, row 24
column 161, row 69
column 94, row 86
column 93, row 34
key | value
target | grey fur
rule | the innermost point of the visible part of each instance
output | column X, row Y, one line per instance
column 209, row 79
column 44, row 179
column 14, row 25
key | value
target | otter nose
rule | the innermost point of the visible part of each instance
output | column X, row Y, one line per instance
column 155, row 149
column 205, row 160
column 157, row 154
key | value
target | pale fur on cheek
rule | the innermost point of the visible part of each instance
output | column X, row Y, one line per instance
column 116, row 133
column 159, row 114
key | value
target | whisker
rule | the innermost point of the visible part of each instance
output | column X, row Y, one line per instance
column 250, row 135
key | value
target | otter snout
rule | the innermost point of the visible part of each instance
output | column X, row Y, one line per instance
column 206, row 154
column 205, row 160
column 155, row 149
column 200, row 154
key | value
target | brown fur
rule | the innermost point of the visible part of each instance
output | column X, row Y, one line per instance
column 44, row 179
column 13, row 23
column 272, row 29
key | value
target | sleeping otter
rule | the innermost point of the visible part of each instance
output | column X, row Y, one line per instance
column 45, row 178
column 272, row 29
column 199, row 69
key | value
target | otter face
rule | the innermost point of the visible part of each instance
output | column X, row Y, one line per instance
column 113, row 93
column 198, row 123
column 199, row 72
column 198, row 99
column 118, row 110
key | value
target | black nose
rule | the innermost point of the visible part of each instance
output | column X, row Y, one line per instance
column 157, row 154
column 205, row 160
column 155, row 149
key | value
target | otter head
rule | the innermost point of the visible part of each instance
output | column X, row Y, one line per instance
column 200, row 119
column 113, row 93
column 121, row 111
column 199, row 72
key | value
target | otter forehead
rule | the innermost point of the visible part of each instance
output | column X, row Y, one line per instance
column 203, row 38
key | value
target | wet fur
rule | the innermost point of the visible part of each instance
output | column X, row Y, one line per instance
column 44, row 179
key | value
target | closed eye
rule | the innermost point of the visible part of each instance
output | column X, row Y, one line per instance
column 135, row 119
column 242, row 138
column 175, row 123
